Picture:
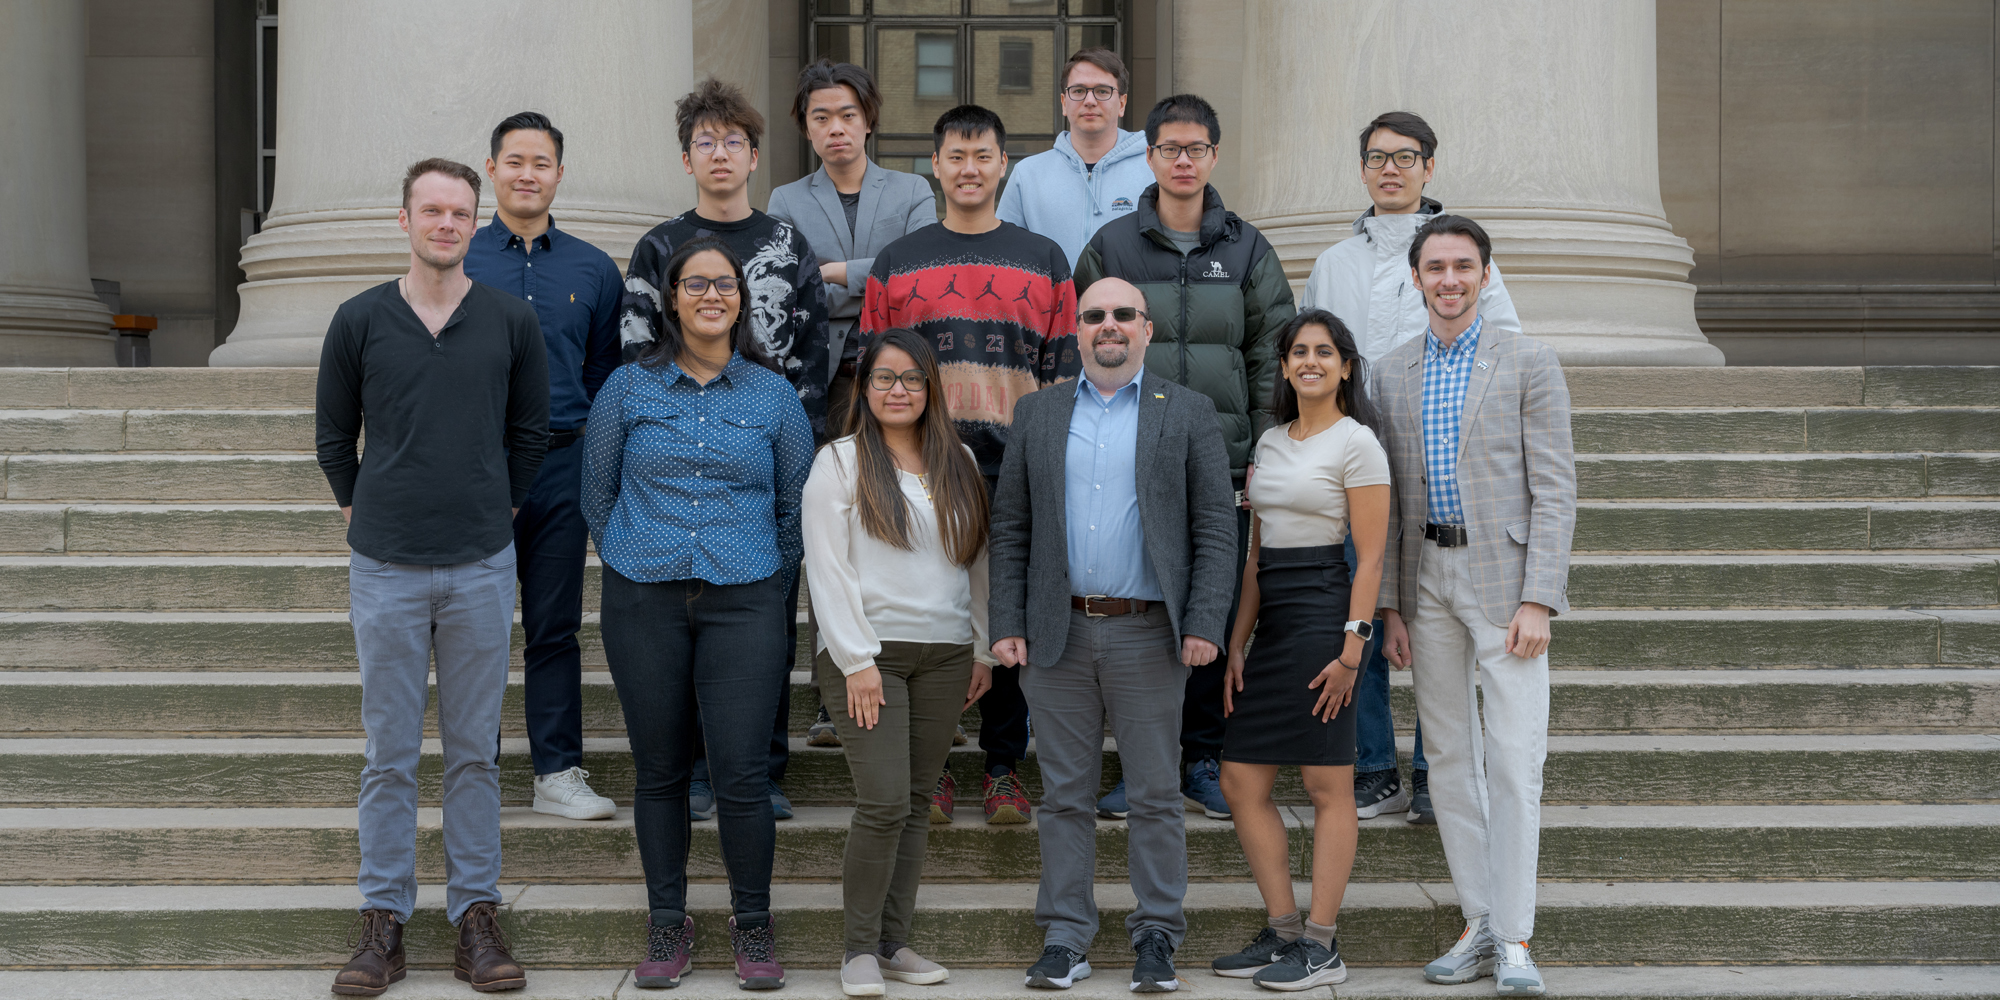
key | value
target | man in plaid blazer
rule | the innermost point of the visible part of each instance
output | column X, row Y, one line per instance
column 1476, row 423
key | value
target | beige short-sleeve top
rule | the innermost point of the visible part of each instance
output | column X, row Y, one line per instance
column 1299, row 489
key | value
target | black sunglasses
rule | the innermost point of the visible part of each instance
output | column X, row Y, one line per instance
column 1123, row 314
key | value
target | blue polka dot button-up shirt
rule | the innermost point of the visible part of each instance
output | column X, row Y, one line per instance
column 683, row 481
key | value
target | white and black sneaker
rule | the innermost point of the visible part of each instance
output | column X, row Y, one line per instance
column 1153, row 970
column 822, row 732
column 1058, row 969
column 1379, row 793
column 1303, row 965
column 1253, row 958
column 1421, row 813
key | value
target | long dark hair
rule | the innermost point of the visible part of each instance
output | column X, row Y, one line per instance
column 958, row 491
column 742, row 338
column 1353, row 392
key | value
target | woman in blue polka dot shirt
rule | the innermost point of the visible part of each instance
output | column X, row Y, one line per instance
column 693, row 460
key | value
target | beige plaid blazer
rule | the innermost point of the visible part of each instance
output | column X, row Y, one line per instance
column 1516, row 474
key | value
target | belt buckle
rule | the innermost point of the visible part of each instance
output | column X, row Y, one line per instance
column 1088, row 599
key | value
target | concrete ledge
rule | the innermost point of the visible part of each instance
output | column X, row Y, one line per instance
column 1771, row 477
column 166, row 477
column 1698, row 638
column 1713, row 387
column 1931, row 386
column 193, row 388
column 1783, row 581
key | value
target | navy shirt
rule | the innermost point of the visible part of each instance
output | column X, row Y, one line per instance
column 683, row 481
column 576, row 290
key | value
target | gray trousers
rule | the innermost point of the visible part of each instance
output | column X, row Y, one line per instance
column 402, row 614
column 1127, row 669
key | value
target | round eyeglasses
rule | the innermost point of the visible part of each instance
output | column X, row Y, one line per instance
column 734, row 144
column 881, row 379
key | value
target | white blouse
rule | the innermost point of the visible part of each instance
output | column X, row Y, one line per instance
column 1299, row 490
column 864, row 590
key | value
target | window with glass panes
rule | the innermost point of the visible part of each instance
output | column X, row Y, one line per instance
column 929, row 56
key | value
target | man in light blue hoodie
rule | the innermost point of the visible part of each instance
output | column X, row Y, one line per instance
column 1096, row 170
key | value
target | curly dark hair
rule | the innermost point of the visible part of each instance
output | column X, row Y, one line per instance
column 717, row 103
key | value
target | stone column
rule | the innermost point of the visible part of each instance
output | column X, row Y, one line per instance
column 367, row 87
column 48, row 314
column 1546, row 117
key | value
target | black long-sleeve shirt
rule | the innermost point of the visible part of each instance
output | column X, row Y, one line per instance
column 457, row 424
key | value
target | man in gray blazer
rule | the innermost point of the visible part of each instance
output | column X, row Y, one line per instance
column 1106, row 587
column 1476, row 422
column 848, row 209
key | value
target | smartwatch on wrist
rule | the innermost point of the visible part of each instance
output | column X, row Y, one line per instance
column 1364, row 629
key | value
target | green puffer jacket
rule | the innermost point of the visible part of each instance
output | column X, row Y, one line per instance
column 1216, row 311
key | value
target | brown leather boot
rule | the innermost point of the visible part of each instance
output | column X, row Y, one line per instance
column 378, row 956
column 482, row 958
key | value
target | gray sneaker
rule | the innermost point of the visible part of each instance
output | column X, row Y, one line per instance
column 906, row 966
column 862, row 976
column 1302, row 966
column 1515, row 974
column 1470, row 958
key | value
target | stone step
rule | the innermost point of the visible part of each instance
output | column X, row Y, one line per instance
column 160, row 388
column 1671, row 388
column 155, row 476
column 1661, row 769
column 274, row 703
column 156, row 430
column 1762, row 982
column 1639, row 526
column 599, row 925
column 1795, row 476
column 1578, row 843
column 187, row 528
column 1593, row 639
column 1667, row 580
column 1847, row 429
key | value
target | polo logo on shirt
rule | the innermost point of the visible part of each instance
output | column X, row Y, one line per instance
column 1215, row 270
column 572, row 296
column 1121, row 204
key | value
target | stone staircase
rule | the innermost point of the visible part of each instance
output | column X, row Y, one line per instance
column 1774, row 767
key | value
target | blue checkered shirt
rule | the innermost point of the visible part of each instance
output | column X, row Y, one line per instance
column 1446, row 373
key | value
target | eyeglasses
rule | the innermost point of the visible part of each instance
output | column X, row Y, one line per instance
column 882, row 379
column 694, row 285
column 1405, row 158
column 1123, row 314
column 734, row 144
column 1172, row 151
column 1104, row 94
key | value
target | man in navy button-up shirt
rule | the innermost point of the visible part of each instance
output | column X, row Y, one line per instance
column 575, row 289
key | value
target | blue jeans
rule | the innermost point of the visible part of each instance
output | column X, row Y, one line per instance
column 402, row 614
column 1374, row 730
column 549, row 536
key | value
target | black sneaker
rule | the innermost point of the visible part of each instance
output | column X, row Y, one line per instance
column 1421, row 812
column 1058, row 969
column 1153, row 971
column 1379, row 793
column 1303, row 966
column 1249, row 961
column 822, row 732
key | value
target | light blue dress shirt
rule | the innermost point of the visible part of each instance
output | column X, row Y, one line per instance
column 1107, row 551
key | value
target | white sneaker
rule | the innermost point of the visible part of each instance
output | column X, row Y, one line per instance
column 1516, row 975
column 566, row 794
column 1472, row 957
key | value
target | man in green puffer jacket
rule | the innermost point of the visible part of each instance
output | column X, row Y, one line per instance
column 1218, row 298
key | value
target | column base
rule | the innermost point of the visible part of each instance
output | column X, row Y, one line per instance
column 54, row 327
column 40, row 349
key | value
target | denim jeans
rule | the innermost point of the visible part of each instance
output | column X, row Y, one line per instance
column 1374, row 730
column 402, row 615
column 549, row 537
column 781, row 720
column 680, row 648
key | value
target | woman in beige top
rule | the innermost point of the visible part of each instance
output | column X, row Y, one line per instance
column 1289, row 701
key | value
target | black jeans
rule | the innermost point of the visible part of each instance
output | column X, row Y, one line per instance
column 677, row 649
column 781, row 737
column 549, row 537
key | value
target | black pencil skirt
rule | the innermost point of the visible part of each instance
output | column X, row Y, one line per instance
column 1301, row 616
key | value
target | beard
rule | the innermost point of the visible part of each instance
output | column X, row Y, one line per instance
column 1109, row 353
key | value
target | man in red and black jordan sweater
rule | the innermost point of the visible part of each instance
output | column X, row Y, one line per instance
column 997, row 303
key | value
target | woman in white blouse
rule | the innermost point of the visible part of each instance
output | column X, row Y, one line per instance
column 1289, row 701
column 895, row 556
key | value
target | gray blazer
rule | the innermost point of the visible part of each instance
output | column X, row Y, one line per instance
column 1516, row 473
column 1185, row 512
column 893, row 204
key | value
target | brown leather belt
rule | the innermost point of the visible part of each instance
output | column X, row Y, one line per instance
column 1099, row 606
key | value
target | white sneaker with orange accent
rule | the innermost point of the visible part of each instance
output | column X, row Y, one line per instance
column 1516, row 975
column 1470, row 958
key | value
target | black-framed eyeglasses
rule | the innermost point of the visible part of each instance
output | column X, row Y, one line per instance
column 734, row 144
column 882, row 379
column 1404, row 158
column 1195, row 150
column 1123, row 314
column 1102, row 92
column 697, row 285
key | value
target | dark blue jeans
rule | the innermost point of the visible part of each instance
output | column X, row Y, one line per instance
column 684, row 649
column 781, row 737
column 549, row 537
column 1374, row 730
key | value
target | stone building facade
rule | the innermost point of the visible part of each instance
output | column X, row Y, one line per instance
column 1670, row 182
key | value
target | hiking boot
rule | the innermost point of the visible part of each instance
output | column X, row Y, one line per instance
column 1379, row 793
column 482, row 958
column 754, row 938
column 378, row 956
column 669, row 951
column 1005, row 802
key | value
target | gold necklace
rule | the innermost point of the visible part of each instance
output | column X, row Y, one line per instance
column 925, row 482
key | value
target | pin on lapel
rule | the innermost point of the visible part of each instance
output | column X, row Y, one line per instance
column 1482, row 364
column 1159, row 395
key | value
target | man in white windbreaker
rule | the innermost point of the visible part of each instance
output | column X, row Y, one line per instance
column 1365, row 280
column 1096, row 170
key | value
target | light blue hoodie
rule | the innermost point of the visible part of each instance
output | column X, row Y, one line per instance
column 1051, row 193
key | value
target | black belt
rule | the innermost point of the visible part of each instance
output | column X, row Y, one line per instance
column 563, row 439
column 1099, row 606
column 1448, row 536
column 847, row 369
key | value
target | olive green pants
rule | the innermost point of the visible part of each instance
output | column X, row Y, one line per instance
column 895, row 767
